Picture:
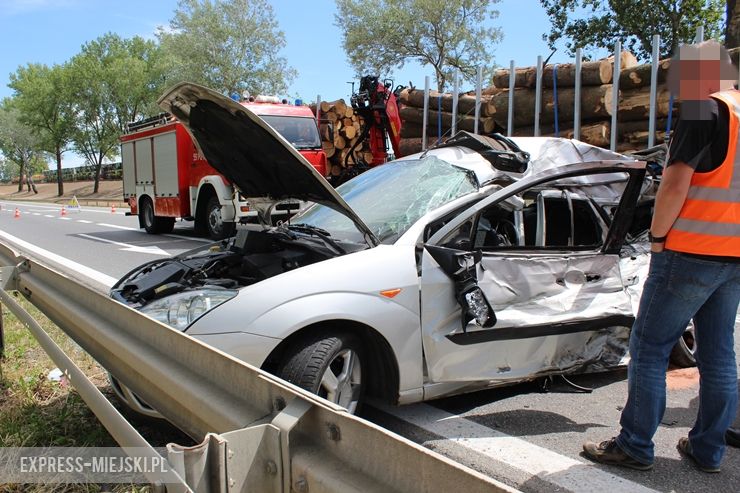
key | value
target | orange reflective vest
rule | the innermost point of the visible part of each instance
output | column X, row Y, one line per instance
column 709, row 221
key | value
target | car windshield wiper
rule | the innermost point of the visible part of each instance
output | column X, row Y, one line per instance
column 316, row 231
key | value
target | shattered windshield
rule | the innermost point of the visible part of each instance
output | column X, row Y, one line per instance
column 392, row 197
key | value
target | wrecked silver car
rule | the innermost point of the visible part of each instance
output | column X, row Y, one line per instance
column 482, row 262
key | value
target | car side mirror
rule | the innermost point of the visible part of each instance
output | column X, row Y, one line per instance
column 459, row 265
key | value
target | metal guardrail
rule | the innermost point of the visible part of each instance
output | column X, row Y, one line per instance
column 259, row 433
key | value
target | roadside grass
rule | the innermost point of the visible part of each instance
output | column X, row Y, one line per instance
column 36, row 411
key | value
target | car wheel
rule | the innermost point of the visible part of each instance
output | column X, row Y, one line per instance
column 154, row 224
column 329, row 365
column 683, row 353
column 216, row 228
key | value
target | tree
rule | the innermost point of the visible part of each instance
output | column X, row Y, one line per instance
column 112, row 81
column 41, row 96
column 228, row 45
column 18, row 142
column 452, row 34
column 732, row 26
column 594, row 24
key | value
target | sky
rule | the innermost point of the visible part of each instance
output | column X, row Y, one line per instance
column 53, row 31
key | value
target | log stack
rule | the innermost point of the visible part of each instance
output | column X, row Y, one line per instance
column 340, row 129
column 558, row 92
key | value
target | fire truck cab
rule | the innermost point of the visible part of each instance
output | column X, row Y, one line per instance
column 165, row 177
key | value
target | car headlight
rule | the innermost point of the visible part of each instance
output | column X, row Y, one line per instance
column 182, row 309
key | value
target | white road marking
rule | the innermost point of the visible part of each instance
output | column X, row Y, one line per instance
column 117, row 226
column 65, row 218
column 84, row 221
column 152, row 250
column 559, row 470
column 202, row 240
column 48, row 215
column 103, row 210
column 36, row 213
column 70, row 264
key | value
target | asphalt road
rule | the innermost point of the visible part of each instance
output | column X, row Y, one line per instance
column 521, row 435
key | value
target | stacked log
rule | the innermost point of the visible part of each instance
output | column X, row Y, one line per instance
column 558, row 93
column 440, row 116
column 340, row 129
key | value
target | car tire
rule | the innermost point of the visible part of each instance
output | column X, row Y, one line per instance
column 329, row 365
column 683, row 353
column 154, row 224
column 215, row 227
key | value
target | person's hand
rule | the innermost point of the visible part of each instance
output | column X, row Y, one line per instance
column 657, row 247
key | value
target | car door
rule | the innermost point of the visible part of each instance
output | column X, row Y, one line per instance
column 549, row 269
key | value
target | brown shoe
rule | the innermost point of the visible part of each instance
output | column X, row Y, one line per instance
column 608, row 452
column 684, row 447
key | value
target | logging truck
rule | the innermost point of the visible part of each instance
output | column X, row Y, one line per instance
column 165, row 177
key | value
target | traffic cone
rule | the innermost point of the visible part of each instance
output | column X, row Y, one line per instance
column 113, row 208
column 17, row 213
column 63, row 212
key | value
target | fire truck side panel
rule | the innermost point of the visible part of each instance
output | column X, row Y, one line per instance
column 165, row 165
column 129, row 171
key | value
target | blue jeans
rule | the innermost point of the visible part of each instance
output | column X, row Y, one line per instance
column 678, row 288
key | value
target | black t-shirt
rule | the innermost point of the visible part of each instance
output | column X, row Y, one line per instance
column 700, row 140
column 701, row 135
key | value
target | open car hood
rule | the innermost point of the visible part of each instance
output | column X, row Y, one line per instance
column 251, row 154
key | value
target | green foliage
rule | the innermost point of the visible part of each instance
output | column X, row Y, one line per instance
column 18, row 141
column 595, row 24
column 228, row 45
column 42, row 96
column 448, row 35
column 112, row 81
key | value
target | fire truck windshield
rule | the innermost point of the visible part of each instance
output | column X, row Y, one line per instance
column 301, row 132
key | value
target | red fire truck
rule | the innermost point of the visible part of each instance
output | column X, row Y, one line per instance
column 165, row 178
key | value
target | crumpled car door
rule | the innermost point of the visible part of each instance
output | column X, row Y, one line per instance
column 556, row 309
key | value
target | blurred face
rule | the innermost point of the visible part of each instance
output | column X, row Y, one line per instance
column 700, row 70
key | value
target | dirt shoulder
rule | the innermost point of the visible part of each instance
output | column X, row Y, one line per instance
column 109, row 193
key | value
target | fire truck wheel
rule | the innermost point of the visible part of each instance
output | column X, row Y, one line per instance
column 154, row 224
column 217, row 228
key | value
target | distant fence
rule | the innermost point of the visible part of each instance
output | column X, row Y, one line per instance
column 112, row 171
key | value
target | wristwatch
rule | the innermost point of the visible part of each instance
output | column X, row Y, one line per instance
column 656, row 239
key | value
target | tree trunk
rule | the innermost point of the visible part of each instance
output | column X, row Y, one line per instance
column 592, row 105
column 639, row 76
column 98, row 166
column 732, row 28
column 412, row 146
column 465, row 103
column 31, row 184
column 634, row 104
column 21, row 176
column 594, row 73
column 416, row 115
column 60, row 181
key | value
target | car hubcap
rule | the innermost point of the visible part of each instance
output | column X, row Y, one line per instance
column 343, row 379
column 214, row 220
column 689, row 339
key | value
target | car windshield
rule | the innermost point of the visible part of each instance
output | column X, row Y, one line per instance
column 392, row 197
column 300, row 131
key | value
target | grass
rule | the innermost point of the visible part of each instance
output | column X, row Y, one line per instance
column 36, row 411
